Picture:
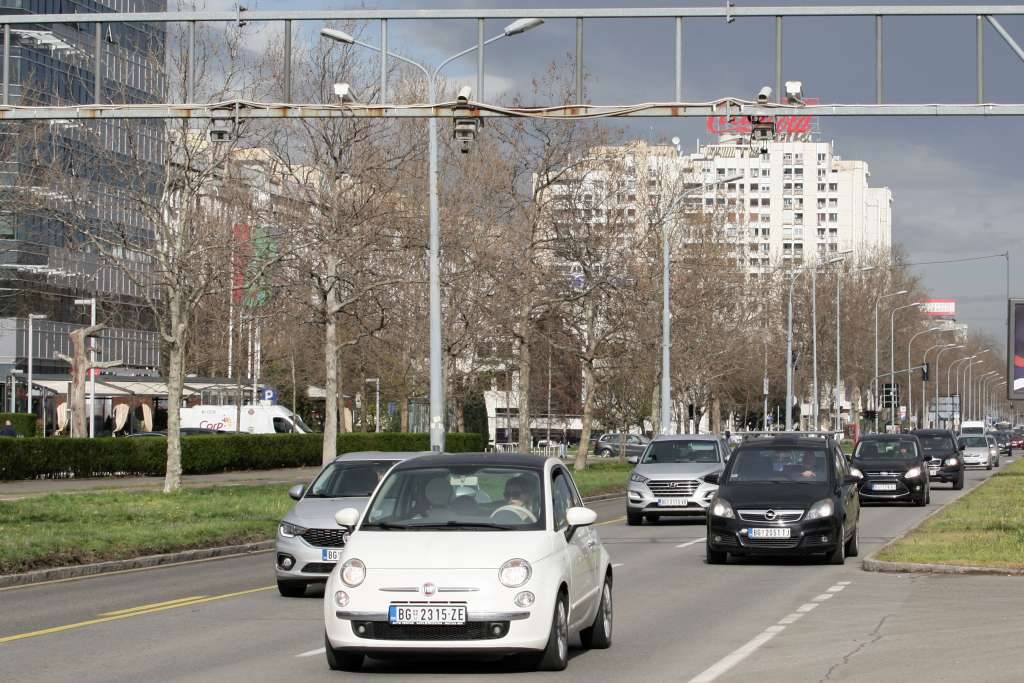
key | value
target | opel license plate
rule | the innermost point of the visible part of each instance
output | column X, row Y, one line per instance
column 330, row 554
column 777, row 532
column 884, row 487
column 672, row 502
column 427, row 615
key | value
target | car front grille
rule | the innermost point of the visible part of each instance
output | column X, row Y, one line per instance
column 669, row 488
column 318, row 568
column 473, row 630
column 326, row 538
column 786, row 516
column 882, row 474
column 781, row 543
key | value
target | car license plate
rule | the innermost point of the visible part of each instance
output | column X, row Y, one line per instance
column 884, row 487
column 330, row 554
column 933, row 470
column 672, row 502
column 427, row 615
column 780, row 532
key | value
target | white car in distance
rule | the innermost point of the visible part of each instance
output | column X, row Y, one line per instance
column 470, row 553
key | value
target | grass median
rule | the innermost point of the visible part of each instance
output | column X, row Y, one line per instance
column 69, row 529
column 984, row 528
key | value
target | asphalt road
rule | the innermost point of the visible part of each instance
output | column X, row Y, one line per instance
column 677, row 619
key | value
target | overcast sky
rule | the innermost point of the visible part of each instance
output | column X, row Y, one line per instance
column 957, row 183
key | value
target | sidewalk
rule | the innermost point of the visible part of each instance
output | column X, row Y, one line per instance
column 16, row 490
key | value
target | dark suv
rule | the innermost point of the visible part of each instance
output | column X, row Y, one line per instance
column 894, row 468
column 789, row 494
column 942, row 455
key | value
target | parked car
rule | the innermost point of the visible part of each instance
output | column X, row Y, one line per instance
column 185, row 431
column 309, row 542
column 608, row 445
column 943, row 451
column 894, row 468
column 976, row 451
column 789, row 494
column 669, row 478
column 470, row 553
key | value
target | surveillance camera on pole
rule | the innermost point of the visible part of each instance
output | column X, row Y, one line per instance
column 764, row 96
column 795, row 92
column 466, row 126
column 343, row 91
column 223, row 126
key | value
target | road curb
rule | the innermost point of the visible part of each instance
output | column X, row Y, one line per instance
column 148, row 561
column 144, row 562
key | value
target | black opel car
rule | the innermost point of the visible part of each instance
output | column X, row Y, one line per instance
column 894, row 468
column 789, row 494
column 942, row 455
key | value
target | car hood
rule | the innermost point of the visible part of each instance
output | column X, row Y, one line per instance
column 678, row 470
column 777, row 495
column 318, row 513
column 447, row 549
column 976, row 450
column 886, row 465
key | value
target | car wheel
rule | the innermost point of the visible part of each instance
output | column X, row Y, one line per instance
column 604, row 453
column 853, row 545
column 634, row 518
column 989, row 466
column 959, row 483
column 599, row 636
column 716, row 556
column 838, row 556
column 291, row 589
column 339, row 660
column 556, row 655
column 922, row 501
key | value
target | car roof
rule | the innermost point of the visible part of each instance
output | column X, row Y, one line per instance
column 521, row 460
column 686, row 437
column 931, row 432
column 889, row 437
column 379, row 455
column 790, row 440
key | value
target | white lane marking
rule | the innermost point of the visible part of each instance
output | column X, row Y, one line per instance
column 318, row 651
column 693, row 542
column 836, row 589
column 823, row 597
column 807, row 607
column 843, row 583
column 791, row 618
column 616, row 564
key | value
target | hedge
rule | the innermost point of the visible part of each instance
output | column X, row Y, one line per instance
column 33, row 458
column 25, row 423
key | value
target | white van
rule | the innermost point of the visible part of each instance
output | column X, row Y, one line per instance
column 972, row 427
column 254, row 419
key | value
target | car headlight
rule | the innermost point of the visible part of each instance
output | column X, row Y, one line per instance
column 821, row 509
column 638, row 478
column 722, row 508
column 353, row 572
column 952, row 462
column 912, row 473
column 515, row 573
column 289, row 530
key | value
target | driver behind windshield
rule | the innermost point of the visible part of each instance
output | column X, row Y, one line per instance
column 519, row 501
column 809, row 466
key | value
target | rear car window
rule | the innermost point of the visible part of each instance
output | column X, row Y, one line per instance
column 681, row 451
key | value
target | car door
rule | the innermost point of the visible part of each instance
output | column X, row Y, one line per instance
column 576, row 544
column 848, row 492
column 634, row 445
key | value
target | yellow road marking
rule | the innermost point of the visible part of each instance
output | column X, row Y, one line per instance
column 611, row 521
column 139, row 608
column 115, row 617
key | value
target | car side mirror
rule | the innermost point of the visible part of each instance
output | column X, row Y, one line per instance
column 347, row 517
column 963, row 447
column 712, row 477
column 632, row 460
column 580, row 516
column 295, row 492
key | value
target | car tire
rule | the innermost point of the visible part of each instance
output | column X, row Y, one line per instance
column 853, row 545
column 603, row 453
column 555, row 656
column 634, row 518
column 339, row 660
column 959, row 483
column 922, row 501
column 838, row 556
column 599, row 636
column 291, row 589
column 715, row 556
column 989, row 466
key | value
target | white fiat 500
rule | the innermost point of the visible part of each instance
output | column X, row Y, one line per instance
column 470, row 553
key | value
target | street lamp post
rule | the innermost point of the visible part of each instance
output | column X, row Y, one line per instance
column 954, row 367
column 910, row 391
column 839, row 338
column 924, row 393
column 437, row 407
column 874, row 400
column 938, row 357
column 968, row 384
column 892, row 360
column 666, row 313
column 789, row 352
column 376, row 381
column 32, row 317
column 91, row 303
column 980, row 405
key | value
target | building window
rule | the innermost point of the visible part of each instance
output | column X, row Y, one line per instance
column 833, row 187
column 833, row 218
column 755, row 172
column 821, row 219
column 821, row 203
column 821, row 187
column 833, row 203
column 821, row 157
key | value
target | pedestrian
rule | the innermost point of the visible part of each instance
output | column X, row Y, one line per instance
column 8, row 429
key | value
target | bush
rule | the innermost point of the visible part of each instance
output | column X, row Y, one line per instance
column 32, row 458
column 25, row 423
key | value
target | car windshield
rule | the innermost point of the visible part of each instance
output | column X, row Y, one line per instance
column 777, row 464
column 466, row 497
column 353, row 479
column 662, row 452
column 974, row 442
column 885, row 449
column 935, row 442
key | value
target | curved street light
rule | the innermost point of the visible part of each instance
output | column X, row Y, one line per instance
column 874, row 400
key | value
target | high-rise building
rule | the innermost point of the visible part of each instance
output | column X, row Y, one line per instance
column 43, row 268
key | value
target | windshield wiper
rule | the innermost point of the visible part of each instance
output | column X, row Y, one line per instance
column 452, row 524
column 386, row 526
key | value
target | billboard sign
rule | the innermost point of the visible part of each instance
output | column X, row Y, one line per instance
column 1015, row 351
column 788, row 127
column 940, row 308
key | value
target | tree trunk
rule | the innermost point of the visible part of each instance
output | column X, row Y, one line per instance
column 656, row 426
column 403, row 413
column 79, row 372
column 460, row 415
column 588, row 412
column 330, row 444
column 716, row 416
column 525, row 438
column 175, row 387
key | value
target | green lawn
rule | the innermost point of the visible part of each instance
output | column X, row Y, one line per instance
column 68, row 529
column 983, row 528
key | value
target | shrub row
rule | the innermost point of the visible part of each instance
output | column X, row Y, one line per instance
column 25, row 423
column 34, row 458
